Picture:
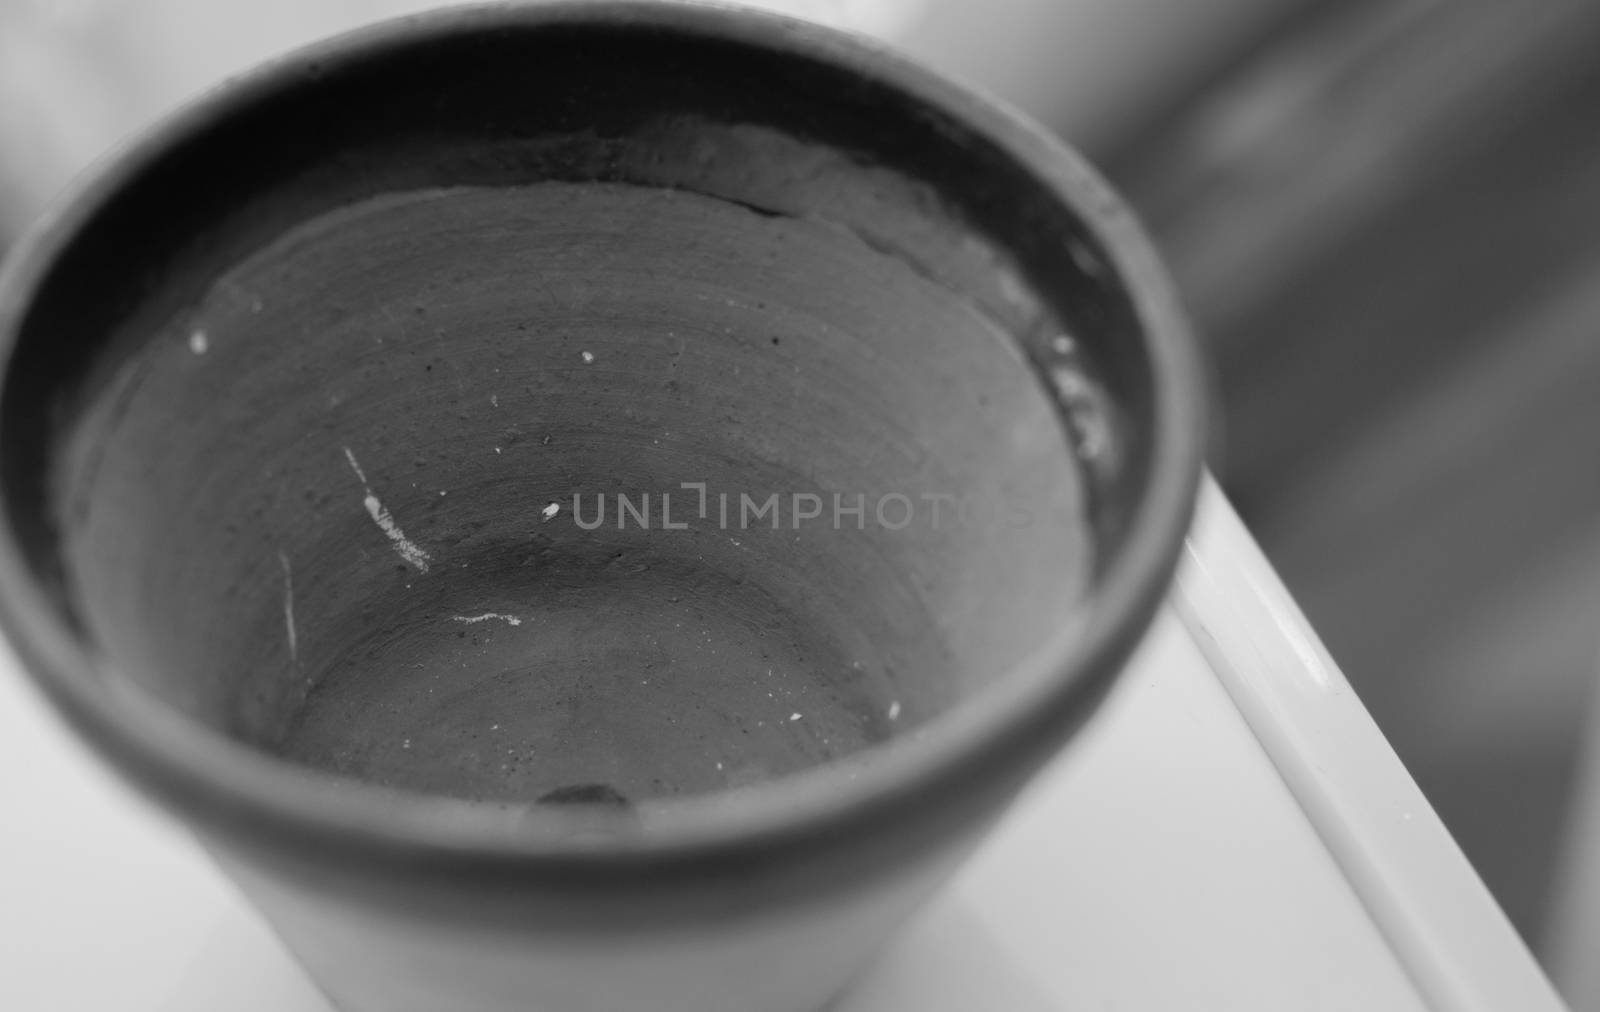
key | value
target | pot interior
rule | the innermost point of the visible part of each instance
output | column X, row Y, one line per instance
column 483, row 421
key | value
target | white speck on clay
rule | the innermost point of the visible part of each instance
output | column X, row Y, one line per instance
column 407, row 549
column 588, row 357
column 486, row 616
column 406, row 743
column 494, row 400
column 288, row 608
column 198, row 342
column 551, row 510
column 894, row 710
column 794, row 716
column 1064, row 345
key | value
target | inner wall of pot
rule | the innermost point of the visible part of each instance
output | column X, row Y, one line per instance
column 693, row 458
column 575, row 492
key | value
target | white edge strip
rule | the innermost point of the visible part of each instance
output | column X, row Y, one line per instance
column 1441, row 922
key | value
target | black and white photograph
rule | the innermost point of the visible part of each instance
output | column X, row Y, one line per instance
column 799, row 506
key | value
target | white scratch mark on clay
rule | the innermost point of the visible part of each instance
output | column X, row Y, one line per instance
column 551, row 510
column 288, row 608
column 408, row 550
column 355, row 466
column 894, row 710
column 486, row 616
column 198, row 342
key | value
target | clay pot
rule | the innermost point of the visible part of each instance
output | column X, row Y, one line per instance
column 588, row 506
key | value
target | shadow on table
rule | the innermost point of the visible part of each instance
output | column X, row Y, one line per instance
column 948, row 961
column 243, row 968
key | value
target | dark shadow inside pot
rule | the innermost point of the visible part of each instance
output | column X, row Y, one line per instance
column 525, row 428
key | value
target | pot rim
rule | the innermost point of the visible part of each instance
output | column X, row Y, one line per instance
column 988, row 741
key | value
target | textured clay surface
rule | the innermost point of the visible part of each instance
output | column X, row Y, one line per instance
column 346, row 484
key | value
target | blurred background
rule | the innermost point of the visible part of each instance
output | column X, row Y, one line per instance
column 1385, row 218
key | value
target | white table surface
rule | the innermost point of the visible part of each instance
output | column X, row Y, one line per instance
column 1231, row 833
